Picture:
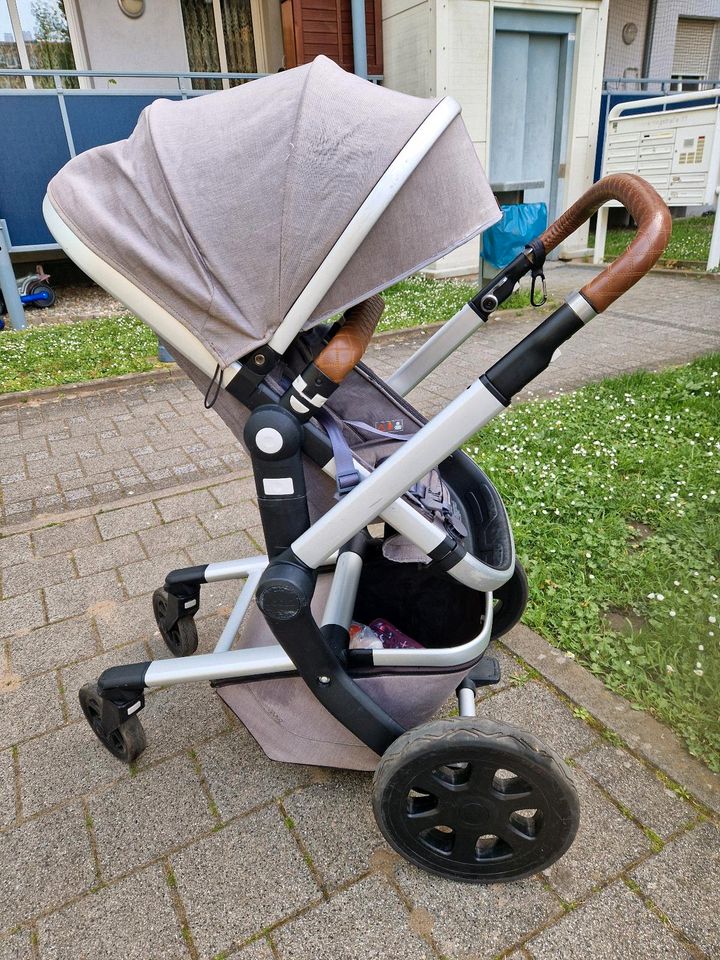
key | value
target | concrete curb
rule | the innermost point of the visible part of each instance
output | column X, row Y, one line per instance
column 169, row 371
column 646, row 737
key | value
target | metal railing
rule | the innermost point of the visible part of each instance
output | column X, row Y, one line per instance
column 659, row 85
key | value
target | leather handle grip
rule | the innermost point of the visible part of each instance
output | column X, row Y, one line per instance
column 347, row 347
column 654, row 225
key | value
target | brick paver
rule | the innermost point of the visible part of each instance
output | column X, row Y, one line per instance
column 206, row 848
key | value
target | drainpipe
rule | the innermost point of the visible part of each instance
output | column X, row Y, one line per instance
column 359, row 36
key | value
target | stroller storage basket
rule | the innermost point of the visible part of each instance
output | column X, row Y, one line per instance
column 390, row 559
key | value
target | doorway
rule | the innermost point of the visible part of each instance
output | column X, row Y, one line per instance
column 532, row 73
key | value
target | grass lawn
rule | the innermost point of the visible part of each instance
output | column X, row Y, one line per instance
column 50, row 355
column 689, row 243
column 423, row 300
column 613, row 495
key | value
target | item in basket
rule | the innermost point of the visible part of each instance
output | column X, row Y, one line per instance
column 363, row 638
column 391, row 638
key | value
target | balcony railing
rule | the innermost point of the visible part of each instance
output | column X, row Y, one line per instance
column 659, row 85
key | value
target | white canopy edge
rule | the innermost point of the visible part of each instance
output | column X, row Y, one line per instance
column 367, row 215
column 168, row 329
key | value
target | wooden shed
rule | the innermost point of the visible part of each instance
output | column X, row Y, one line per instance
column 312, row 27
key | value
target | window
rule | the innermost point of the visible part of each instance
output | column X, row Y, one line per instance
column 9, row 55
column 34, row 35
column 693, row 49
column 220, row 36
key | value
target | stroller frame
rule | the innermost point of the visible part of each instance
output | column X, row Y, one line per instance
column 283, row 583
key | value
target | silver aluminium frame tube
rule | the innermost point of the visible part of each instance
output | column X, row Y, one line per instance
column 367, row 215
column 467, row 705
column 440, row 656
column 343, row 590
column 427, row 536
column 230, row 630
column 447, row 431
column 253, row 661
column 445, row 341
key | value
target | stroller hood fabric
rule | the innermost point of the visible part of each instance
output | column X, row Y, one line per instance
column 222, row 207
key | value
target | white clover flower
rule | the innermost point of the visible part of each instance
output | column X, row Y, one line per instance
column 661, row 596
column 669, row 668
column 701, row 648
column 651, row 596
column 698, row 672
column 672, row 613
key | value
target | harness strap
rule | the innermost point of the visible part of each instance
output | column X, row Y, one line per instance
column 346, row 476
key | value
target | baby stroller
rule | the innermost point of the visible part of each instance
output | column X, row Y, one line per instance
column 235, row 225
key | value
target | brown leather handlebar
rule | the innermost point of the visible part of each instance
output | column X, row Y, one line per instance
column 654, row 224
column 348, row 345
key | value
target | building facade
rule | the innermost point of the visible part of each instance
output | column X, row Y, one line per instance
column 674, row 41
column 528, row 76
column 237, row 36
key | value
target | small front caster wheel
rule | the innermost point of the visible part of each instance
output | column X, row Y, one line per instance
column 182, row 639
column 509, row 602
column 126, row 742
column 474, row 800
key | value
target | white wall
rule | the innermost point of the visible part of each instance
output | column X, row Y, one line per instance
column 155, row 41
column 458, row 39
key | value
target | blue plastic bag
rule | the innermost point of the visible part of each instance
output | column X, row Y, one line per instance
column 521, row 223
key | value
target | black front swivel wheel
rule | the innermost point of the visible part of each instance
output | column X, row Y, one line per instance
column 474, row 800
column 181, row 639
column 126, row 742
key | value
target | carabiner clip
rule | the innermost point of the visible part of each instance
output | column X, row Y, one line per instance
column 533, row 302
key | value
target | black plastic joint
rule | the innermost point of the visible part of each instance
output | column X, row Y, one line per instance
column 127, row 676
column 285, row 590
column 447, row 554
column 186, row 577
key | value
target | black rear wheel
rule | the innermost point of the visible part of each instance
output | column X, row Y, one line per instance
column 126, row 742
column 509, row 602
column 474, row 800
column 181, row 639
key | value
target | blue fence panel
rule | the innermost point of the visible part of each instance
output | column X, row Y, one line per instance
column 105, row 118
column 33, row 147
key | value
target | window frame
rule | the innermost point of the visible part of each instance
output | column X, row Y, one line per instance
column 76, row 44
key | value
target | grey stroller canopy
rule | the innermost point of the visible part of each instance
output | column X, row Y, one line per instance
column 222, row 208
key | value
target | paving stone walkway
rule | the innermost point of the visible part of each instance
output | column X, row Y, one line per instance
column 206, row 849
